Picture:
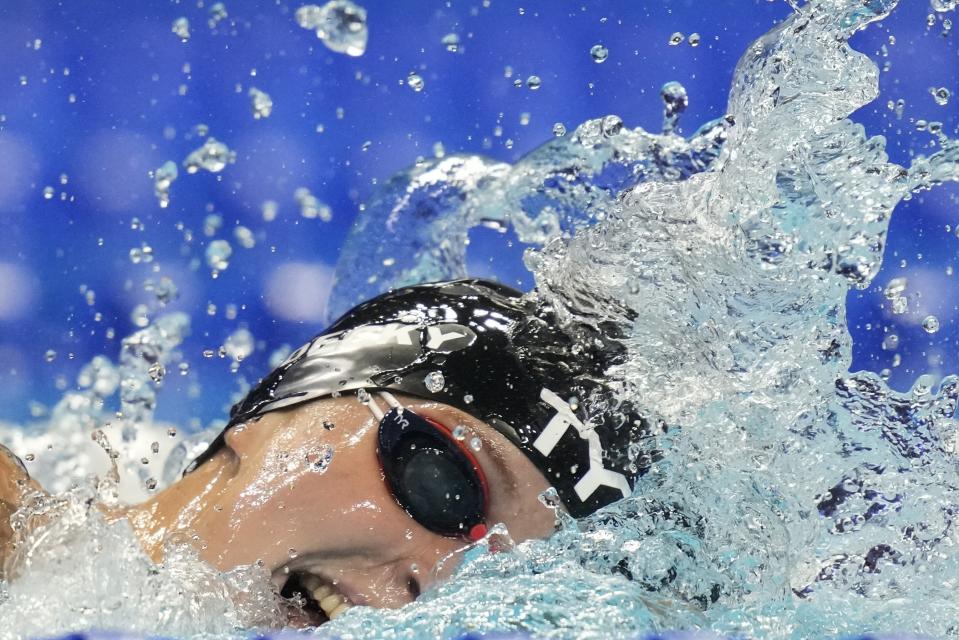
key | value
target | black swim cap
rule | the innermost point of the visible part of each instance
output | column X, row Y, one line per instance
column 493, row 353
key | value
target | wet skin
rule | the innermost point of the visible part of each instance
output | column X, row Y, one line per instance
column 261, row 496
column 15, row 484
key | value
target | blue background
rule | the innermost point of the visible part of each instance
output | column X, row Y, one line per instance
column 103, row 93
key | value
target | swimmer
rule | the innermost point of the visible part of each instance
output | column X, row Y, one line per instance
column 360, row 469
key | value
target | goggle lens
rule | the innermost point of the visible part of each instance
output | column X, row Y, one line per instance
column 432, row 475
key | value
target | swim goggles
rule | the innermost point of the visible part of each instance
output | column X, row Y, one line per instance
column 432, row 474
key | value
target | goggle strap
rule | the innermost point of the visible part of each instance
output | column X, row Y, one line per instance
column 375, row 408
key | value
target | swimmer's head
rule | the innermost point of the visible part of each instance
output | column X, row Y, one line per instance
column 490, row 352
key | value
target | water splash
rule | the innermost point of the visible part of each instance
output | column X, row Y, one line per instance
column 791, row 499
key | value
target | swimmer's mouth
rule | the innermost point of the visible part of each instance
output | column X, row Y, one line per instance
column 313, row 600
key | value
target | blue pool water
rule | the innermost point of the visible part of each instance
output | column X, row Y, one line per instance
column 788, row 275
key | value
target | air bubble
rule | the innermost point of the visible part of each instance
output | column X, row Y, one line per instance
column 694, row 39
column 460, row 432
column 48, row 193
column 930, row 324
column 50, row 355
column 475, row 443
column 599, row 53
column 434, row 381
column 533, row 83
column 675, row 39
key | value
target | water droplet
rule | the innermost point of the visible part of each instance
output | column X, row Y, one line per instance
column 694, row 39
column 890, row 342
column 217, row 13
column 940, row 95
column 559, row 129
column 162, row 180
column 468, row 399
column 599, row 53
column 930, row 324
column 48, row 193
column 218, row 255
column 319, row 459
column 460, row 431
column 675, row 39
column 181, row 27
column 434, row 381
column 151, row 484
column 292, row 553
column 311, row 207
column 533, row 83
column 943, row 5
column 340, row 24
column 328, row 425
column 270, row 209
column 156, row 372
column 415, row 82
column 239, row 344
column 244, row 237
column 550, row 498
column 171, row 432
column 895, row 288
column 675, row 101
column 612, row 125
column 475, row 443
column 900, row 305
column 140, row 316
column 363, row 396
column 260, row 102
column 155, row 447
column 212, row 156
column 50, row 355
column 452, row 42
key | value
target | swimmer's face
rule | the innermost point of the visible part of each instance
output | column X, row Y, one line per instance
column 318, row 524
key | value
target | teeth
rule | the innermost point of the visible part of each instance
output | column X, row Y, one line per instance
column 340, row 609
column 310, row 582
column 329, row 603
column 322, row 591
